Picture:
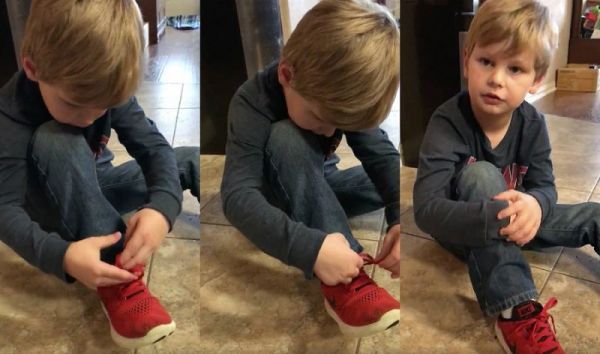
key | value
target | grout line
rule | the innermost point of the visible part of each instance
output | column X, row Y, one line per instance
column 578, row 278
column 358, row 342
column 178, row 111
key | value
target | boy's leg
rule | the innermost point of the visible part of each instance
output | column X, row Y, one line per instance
column 125, row 187
column 573, row 225
column 295, row 170
column 353, row 188
column 63, row 180
column 499, row 272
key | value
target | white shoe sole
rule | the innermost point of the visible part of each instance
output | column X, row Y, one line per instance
column 500, row 337
column 388, row 320
column 154, row 335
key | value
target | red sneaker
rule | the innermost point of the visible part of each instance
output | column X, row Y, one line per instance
column 136, row 317
column 529, row 330
column 361, row 308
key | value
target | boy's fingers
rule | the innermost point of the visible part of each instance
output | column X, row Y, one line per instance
column 131, row 227
column 108, row 240
column 507, row 195
column 385, row 248
column 108, row 271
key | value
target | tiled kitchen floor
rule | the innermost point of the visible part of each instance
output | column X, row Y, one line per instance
column 40, row 314
column 440, row 313
column 268, row 306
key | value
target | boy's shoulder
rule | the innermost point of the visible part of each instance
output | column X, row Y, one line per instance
column 260, row 94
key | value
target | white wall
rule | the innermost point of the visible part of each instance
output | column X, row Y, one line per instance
column 182, row 7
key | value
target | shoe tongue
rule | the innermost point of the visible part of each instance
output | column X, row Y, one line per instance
column 526, row 310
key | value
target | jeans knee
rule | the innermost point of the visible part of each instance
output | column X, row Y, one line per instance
column 479, row 180
column 290, row 142
column 53, row 139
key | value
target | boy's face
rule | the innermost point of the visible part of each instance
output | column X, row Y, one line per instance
column 63, row 109
column 497, row 82
column 303, row 113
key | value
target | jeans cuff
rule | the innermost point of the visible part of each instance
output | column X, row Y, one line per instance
column 506, row 303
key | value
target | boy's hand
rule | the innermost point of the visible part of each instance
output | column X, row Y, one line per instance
column 145, row 231
column 389, row 255
column 82, row 262
column 527, row 216
column 337, row 262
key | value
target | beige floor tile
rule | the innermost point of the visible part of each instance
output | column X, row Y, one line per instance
column 165, row 120
column 367, row 226
column 576, row 314
column 587, row 166
column 570, row 196
column 409, row 226
column 210, row 178
column 206, row 159
column 212, row 213
column 408, row 175
column 41, row 314
column 569, row 135
column 440, row 312
column 154, row 95
column 187, row 132
column 268, row 305
column 175, row 281
column 347, row 160
column 190, row 97
column 187, row 224
column 583, row 263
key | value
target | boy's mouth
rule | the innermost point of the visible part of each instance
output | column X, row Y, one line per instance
column 491, row 98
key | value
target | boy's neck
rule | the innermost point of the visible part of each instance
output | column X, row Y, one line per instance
column 494, row 127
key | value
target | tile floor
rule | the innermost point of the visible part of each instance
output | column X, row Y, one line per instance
column 268, row 305
column 440, row 313
column 40, row 314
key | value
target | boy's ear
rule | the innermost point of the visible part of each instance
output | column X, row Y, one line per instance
column 285, row 74
column 29, row 69
column 536, row 84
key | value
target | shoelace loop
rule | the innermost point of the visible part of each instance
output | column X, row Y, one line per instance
column 129, row 290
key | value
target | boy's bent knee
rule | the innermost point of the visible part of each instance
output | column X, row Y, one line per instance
column 52, row 137
column 290, row 141
column 479, row 180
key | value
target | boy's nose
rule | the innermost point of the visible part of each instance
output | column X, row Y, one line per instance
column 496, row 77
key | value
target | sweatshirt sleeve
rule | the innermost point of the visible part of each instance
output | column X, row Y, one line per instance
column 468, row 223
column 539, row 179
column 155, row 156
column 244, row 204
column 381, row 162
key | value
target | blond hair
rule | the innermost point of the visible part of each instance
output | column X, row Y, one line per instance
column 91, row 49
column 345, row 57
column 522, row 24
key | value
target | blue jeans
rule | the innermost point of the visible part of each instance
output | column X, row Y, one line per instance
column 68, row 193
column 499, row 272
column 311, row 189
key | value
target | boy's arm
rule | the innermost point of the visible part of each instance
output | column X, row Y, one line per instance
column 381, row 161
column 244, row 204
column 155, row 156
column 468, row 223
column 39, row 248
column 539, row 179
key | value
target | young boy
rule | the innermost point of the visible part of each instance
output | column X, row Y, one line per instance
column 61, row 199
column 338, row 74
column 485, row 186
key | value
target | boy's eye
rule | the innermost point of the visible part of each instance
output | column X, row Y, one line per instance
column 485, row 61
column 515, row 69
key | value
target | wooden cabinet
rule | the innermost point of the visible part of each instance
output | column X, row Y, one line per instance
column 154, row 12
